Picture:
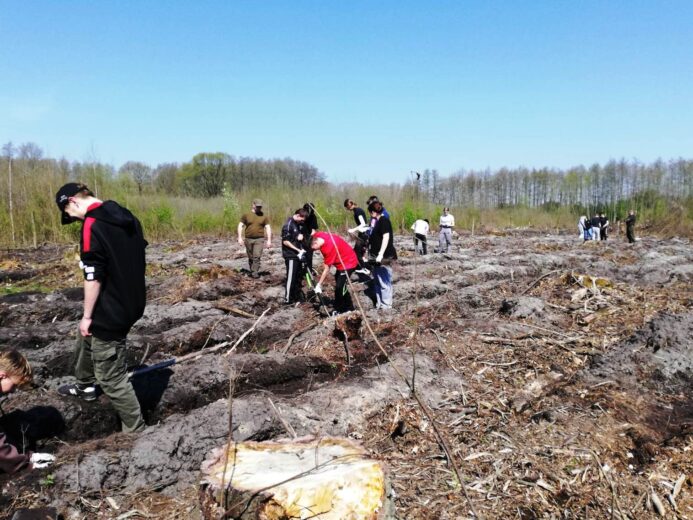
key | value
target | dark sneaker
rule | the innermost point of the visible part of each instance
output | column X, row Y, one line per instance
column 84, row 392
column 363, row 271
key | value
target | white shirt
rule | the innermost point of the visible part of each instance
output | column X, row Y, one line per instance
column 447, row 220
column 420, row 227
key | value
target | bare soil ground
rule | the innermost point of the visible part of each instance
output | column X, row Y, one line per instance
column 559, row 373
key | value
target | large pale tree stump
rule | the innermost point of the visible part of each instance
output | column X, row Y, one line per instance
column 327, row 478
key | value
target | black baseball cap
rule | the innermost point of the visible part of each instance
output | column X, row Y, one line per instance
column 63, row 197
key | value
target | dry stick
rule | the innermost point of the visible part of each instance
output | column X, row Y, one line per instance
column 251, row 329
column 286, row 425
column 539, row 280
column 614, row 498
column 212, row 330
column 428, row 413
column 294, row 335
column 232, row 388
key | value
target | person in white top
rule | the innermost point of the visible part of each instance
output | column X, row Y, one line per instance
column 447, row 222
column 420, row 228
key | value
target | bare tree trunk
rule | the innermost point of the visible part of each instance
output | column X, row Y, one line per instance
column 9, row 192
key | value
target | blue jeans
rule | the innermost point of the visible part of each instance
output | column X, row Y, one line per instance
column 381, row 288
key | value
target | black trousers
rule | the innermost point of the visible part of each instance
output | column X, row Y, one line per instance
column 294, row 272
column 418, row 237
column 342, row 297
column 630, row 233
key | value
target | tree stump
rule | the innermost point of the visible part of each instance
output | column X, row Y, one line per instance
column 327, row 478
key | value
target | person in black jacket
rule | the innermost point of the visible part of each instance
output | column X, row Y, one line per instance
column 113, row 261
column 596, row 223
column 630, row 226
column 293, row 236
column 381, row 254
column 311, row 226
column 603, row 226
column 359, row 233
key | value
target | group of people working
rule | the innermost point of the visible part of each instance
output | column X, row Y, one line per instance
column 598, row 227
column 370, row 257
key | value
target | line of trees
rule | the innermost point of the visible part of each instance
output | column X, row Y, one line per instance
column 208, row 193
column 594, row 187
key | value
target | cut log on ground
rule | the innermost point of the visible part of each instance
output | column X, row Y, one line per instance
column 329, row 478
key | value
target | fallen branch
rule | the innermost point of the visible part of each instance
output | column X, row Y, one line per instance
column 286, row 425
column 247, row 332
column 539, row 280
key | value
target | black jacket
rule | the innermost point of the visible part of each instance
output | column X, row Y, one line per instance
column 290, row 232
column 382, row 226
column 112, row 252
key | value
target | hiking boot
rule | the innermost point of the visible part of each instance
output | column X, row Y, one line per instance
column 84, row 392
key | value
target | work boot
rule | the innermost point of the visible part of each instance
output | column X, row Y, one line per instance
column 84, row 392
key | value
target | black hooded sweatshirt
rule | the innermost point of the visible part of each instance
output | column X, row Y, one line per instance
column 112, row 252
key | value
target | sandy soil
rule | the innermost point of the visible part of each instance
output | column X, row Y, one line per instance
column 559, row 374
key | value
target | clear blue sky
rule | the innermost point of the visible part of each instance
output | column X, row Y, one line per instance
column 364, row 90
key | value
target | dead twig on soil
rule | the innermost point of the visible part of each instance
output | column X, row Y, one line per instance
column 296, row 334
column 539, row 280
column 289, row 429
column 247, row 332
column 233, row 375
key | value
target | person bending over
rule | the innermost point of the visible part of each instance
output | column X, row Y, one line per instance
column 336, row 252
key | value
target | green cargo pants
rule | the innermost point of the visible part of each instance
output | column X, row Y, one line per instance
column 254, row 247
column 103, row 363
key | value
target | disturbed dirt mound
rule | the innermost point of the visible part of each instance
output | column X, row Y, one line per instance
column 658, row 356
column 551, row 392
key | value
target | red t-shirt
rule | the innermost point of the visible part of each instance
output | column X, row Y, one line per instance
column 329, row 251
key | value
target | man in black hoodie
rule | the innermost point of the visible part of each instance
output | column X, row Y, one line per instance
column 112, row 259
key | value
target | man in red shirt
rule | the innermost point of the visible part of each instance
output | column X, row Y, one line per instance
column 337, row 252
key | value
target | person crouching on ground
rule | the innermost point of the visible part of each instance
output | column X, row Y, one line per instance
column 337, row 252
column 113, row 261
column 293, row 235
column 16, row 372
column 252, row 229
column 381, row 253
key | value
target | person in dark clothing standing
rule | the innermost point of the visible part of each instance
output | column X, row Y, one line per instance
column 595, row 222
column 112, row 253
column 252, row 229
column 603, row 226
column 311, row 225
column 293, row 239
column 630, row 226
column 381, row 253
column 359, row 232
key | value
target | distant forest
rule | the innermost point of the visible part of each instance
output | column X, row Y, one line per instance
column 598, row 187
column 208, row 193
